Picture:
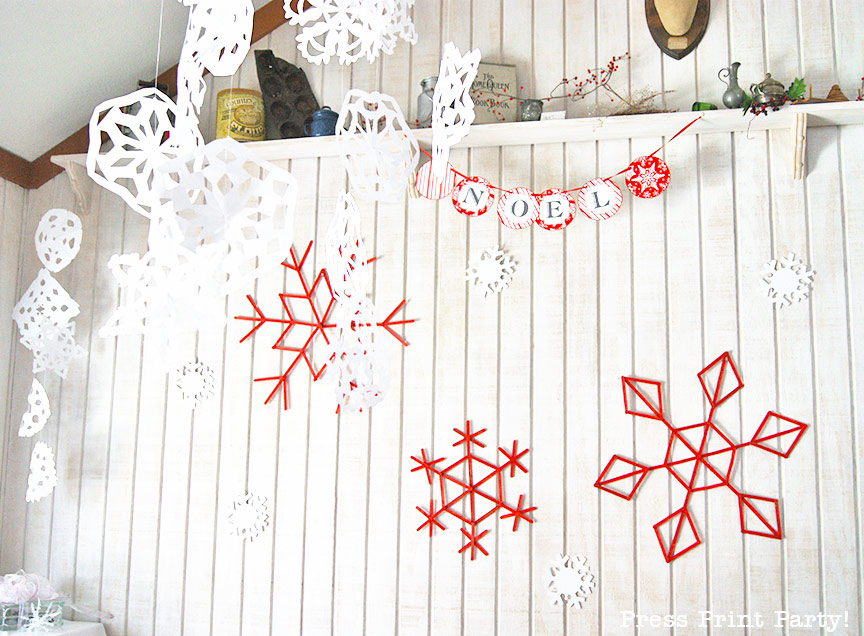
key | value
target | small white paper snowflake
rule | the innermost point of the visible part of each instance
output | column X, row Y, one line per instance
column 492, row 270
column 570, row 580
column 55, row 349
column 58, row 239
column 42, row 618
column 249, row 516
column 38, row 412
column 787, row 280
column 45, row 304
column 43, row 473
column 196, row 382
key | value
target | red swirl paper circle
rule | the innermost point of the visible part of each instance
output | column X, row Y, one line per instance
column 466, row 199
column 431, row 188
column 507, row 208
column 555, row 217
column 599, row 199
column 647, row 177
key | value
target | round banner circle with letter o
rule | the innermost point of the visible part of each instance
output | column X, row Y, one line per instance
column 518, row 208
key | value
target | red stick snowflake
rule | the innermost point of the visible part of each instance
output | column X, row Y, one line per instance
column 701, row 457
column 304, row 323
column 476, row 499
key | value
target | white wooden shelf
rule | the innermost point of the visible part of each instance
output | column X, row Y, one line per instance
column 581, row 129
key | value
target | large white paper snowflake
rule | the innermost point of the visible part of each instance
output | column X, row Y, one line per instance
column 58, row 239
column 350, row 29
column 379, row 151
column 787, row 280
column 231, row 210
column 452, row 106
column 492, row 270
column 38, row 411
column 249, row 516
column 43, row 473
column 145, row 129
column 570, row 580
column 196, row 382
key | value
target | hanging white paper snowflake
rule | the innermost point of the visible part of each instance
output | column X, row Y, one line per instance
column 452, row 106
column 231, row 210
column 38, row 411
column 379, row 151
column 45, row 304
column 787, row 280
column 196, row 382
column 570, row 580
column 58, row 239
column 492, row 270
column 43, row 473
column 249, row 516
column 350, row 29
column 55, row 349
column 145, row 129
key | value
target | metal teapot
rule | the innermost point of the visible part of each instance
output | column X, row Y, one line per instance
column 767, row 91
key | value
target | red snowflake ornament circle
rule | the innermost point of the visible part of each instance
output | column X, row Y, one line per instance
column 518, row 208
column 599, row 199
column 647, row 177
column 473, row 196
column 431, row 187
column 557, row 209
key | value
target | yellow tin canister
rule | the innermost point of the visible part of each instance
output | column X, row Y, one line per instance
column 240, row 114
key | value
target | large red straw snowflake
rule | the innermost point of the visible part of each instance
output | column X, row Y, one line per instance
column 701, row 457
column 304, row 323
column 478, row 486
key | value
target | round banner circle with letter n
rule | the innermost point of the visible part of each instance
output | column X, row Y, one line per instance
column 473, row 196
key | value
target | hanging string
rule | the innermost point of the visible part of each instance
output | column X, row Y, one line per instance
column 494, row 187
column 159, row 43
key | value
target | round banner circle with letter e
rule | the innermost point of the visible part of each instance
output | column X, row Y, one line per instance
column 518, row 208
column 647, row 177
column 473, row 196
column 599, row 199
column 557, row 209
column 430, row 187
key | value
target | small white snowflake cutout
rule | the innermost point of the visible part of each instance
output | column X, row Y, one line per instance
column 492, row 270
column 787, row 280
column 570, row 580
column 249, row 517
column 196, row 382
column 38, row 412
column 43, row 473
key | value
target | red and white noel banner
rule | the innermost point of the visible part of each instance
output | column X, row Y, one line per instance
column 519, row 208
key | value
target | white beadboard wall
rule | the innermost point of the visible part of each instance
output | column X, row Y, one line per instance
column 138, row 524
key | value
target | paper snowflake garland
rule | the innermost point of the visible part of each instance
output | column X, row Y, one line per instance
column 58, row 239
column 473, row 501
column 350, row 29
column 232, row 212
column 700, row 457
column 55, row 349
column 249, row 516
column 570, row 581
column 647, row 177
column 452, row 106
column 378, row 150
column 196, row 382
column 38, row 411
column 145, row 129
column 787, row 281
column 44, row 305
column 43, row 473
column 492, row 271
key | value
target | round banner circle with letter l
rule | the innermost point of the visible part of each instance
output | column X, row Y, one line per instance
column 647, row 177
column 599, row 199
column 473, row 196
column 557, row 209
column 518, row 208
column 431, row 188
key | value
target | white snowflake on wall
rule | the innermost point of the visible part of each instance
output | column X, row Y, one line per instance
column 570, row 580
column 492, row 270
column 196, row 382
column 38, row 411
column 787, row 280
column 43, row 473
column 249, row 517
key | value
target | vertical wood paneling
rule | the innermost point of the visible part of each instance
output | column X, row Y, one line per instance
column 138, row 525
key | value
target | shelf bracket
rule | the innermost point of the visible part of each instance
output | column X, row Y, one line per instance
column 799, row 144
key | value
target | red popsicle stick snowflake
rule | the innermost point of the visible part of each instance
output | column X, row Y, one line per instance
column 476, row 499
column 305, row 323
column 701, row 457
